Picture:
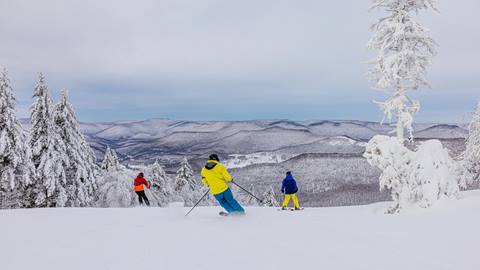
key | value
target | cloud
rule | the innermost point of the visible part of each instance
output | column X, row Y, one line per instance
column 245, row 59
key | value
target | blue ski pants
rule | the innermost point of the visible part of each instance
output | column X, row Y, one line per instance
column 226, row 200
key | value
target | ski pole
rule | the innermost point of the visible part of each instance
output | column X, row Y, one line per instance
column 204, row 195
column 249, row 193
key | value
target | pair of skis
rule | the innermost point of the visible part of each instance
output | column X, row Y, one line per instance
column 291, row 209
column 224, row 214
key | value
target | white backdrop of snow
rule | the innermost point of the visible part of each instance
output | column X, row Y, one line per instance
column 340, row 238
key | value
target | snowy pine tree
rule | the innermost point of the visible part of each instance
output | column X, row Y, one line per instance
column 417, row 178
column 160, row 184
column 185, row 177
column 437, row 174
column 471, row 157
column 115, row 188
column 16, row 167
column 110, row 161
column 185, row 185
column 405, row 50
column 48, row 151
column 268, row 198
column 82, row 170
column 115, row 183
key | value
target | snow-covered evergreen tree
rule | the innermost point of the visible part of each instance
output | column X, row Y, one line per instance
column 82, row 170
column 268, row 198
column 471, row 157
column 115, row 188
column 110, row 161
column 48, row 151
column 417, row 178
column 405, row 50
column 394, row 160
column 16, row 167
column 185, row 177
column 185, row 185
column 160, row 184
column 437, row 174
column 115, row 183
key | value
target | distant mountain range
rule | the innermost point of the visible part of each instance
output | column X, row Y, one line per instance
column 325, row 156
column 143, row 141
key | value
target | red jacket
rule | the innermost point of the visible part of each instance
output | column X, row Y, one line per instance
column 139, row 182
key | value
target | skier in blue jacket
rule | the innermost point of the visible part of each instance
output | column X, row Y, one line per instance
column 289, row 189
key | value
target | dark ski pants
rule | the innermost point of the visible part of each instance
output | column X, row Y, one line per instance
column 142, row 197
column 226, row 200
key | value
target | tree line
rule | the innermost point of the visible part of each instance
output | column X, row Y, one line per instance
column 52, row 165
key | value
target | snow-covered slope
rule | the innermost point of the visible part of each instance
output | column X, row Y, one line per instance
column 341, row 238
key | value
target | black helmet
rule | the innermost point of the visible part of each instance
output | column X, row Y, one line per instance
column 214, row 157
column 289, row 173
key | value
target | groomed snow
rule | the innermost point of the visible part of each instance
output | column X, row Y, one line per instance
column 362, row 237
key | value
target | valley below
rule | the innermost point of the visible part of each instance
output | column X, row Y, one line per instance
column 324, row 156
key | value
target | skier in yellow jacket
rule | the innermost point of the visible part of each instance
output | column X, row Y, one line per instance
column 216, row 177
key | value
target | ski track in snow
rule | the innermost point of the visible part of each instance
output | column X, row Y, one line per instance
column 358, row 237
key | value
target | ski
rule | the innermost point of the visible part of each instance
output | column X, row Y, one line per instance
column 290, row 209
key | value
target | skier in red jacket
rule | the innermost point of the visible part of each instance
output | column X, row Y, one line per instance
column 138, row 186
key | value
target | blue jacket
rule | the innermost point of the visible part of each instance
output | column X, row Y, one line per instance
column 289, row 186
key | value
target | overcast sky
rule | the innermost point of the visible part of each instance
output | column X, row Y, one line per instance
column 226, row 60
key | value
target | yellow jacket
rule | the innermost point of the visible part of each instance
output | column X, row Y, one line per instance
column 215, row 176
